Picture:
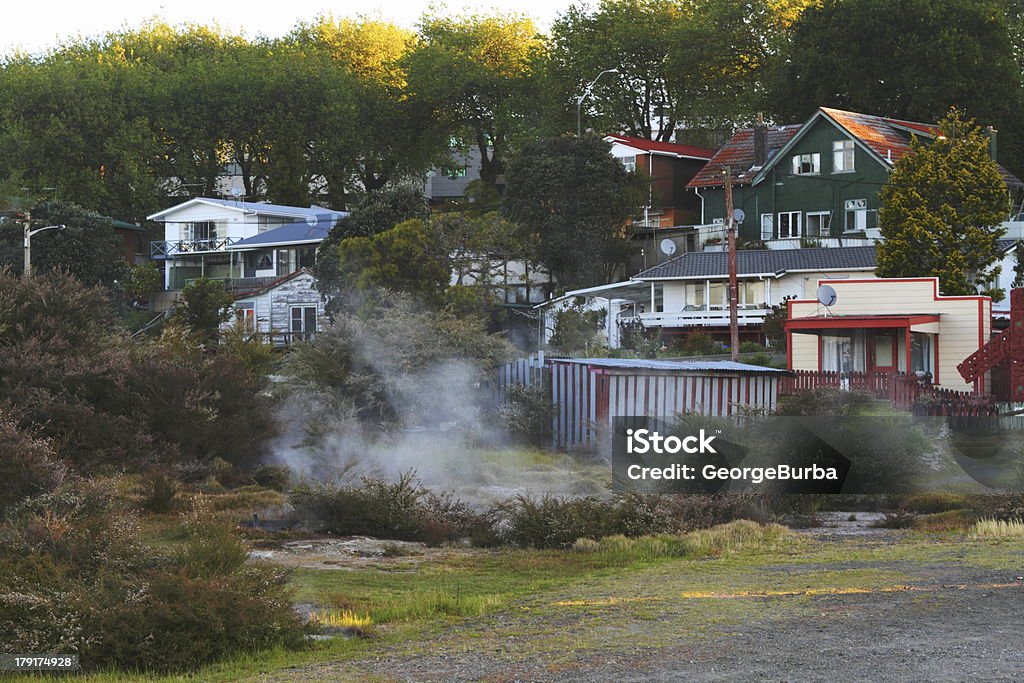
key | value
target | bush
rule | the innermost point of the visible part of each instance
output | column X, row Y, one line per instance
column 28, row 464
column 825, row 401
column 1003, row 507
column 274, row 477
column 402, row 510
column 528, row 413
column 159, row 493
column 751, row 347
column 75, row 578
column 577, row 329
column 698, row 344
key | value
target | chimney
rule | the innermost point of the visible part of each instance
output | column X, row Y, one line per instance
column 991, row 133
column 760, row 141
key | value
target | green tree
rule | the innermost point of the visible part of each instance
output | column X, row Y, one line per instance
column 941, row 211
column 88, row 248
column 910, row 60
column 572, row 200
column 406, row 258
column 1018, row 265
column 204, row 306
column 477, row 72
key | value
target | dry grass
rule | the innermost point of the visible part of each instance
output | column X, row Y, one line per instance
column 997, row 528
column 739, row 536
column 340, row 618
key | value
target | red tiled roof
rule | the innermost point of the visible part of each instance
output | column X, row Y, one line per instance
column 738, row 153
column 888, row 138
column 656, row 146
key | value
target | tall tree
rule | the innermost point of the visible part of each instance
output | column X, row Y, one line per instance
column 633, row 36
column 478, row 73
column 572, row 199
column 910, row 60
column 941, row 211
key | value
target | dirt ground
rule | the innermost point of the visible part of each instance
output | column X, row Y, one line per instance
column 949, row 617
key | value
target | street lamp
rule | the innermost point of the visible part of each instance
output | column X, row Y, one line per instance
column 28, row 241
column 586, row 91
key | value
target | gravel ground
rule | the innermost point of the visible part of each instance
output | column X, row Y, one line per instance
column 942, row 622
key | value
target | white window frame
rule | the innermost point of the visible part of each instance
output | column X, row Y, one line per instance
column 812, row 162
column 304, row 333
column 843, row 156
column 826, row 215
column 629, row 163
column 791, row 215
column 767, row 226
column 858, row 209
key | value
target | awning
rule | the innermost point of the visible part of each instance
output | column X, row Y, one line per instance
column 819, row 324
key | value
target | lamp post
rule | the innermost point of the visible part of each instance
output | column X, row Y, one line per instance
column 579, row 100
column 28, row 241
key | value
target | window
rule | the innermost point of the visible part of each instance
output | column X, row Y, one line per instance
column 752, row 294
column 921, row 354
column 245, row 314
column 856, row 215
column 303, row 322
column 206, row 230
column 629, row 163
column 264, row 260
column 818, row 224
column 842, row 156
column 805, row 164
column 285, row 262
column 718, row 297
column 789, row 225
column 453, row 172
column 766, row 226
column 695, row 296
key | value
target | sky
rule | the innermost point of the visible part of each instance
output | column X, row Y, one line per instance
column 36, row 25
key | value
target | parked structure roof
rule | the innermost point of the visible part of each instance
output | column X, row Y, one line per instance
column 671, row 365
column 318, row 212
column 738, row 154
column 666, row 148
column 293, row 233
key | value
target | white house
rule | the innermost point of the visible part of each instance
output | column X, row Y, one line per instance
column 199, row 235
column 283, row 311
column 689, row 293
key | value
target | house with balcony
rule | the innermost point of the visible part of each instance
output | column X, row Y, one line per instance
column 670, row 211
column 245, row 244
column 813, row 184
column 689, row 292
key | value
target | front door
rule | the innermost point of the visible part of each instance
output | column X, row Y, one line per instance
column 882, row 351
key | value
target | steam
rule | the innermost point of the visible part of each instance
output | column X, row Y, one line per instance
column 444, row 431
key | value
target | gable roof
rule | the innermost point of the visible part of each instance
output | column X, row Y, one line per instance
column 774, row 262
column 662, row 148
column 253, row 208
column 293, row 233
column 738, row 154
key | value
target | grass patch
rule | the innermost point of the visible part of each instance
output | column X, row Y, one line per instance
column 950, row 520
column 997, row 528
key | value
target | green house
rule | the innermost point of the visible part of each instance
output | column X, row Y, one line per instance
column 809, row 182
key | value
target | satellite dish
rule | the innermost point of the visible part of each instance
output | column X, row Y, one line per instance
column 738, row 215
column 311, row 220
column 236, row 192
column 826, row 295
column 668, row 247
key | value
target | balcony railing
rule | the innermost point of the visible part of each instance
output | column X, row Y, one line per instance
column 752, row 315
column 239, row 285
column 170, row 248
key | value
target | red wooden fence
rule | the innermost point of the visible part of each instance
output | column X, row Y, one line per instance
column 905, row 392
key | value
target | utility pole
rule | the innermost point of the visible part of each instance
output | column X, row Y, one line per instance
column 730, row 227
column 27, row 224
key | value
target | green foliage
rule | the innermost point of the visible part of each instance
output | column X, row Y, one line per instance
column 203, row 307
column 406, row 258
column 824, row 401
column 75, row 578
column 572, row 199
column 28, row 464
column 528, row 413
column 905, row 60
column 1018, row 265
column 577, row 329
column 88, row 248
column 251, row 350
column 773, row 328
column 941, row 211
column 698, row 344
column 402, row 510
column 142, row 280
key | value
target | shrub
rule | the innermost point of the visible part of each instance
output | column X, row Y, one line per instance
column 751, row 347
column 28, row 464
column 274, row 477
column 825, row 401
column 1004, row 506
column 997, row 528
column 698, row 344
column 577, row 329
column 894, row 520
column 159, row 493
column 75, row 578
column 928, row 503
column 402, row 510
column 528, row 413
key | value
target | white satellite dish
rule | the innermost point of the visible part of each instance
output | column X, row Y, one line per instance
column 311, row 220
column 738, row 215
column 668, row 247
column 826, row 295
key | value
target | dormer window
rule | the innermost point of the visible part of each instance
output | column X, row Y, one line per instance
column 806, row 164
column 842, row 156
